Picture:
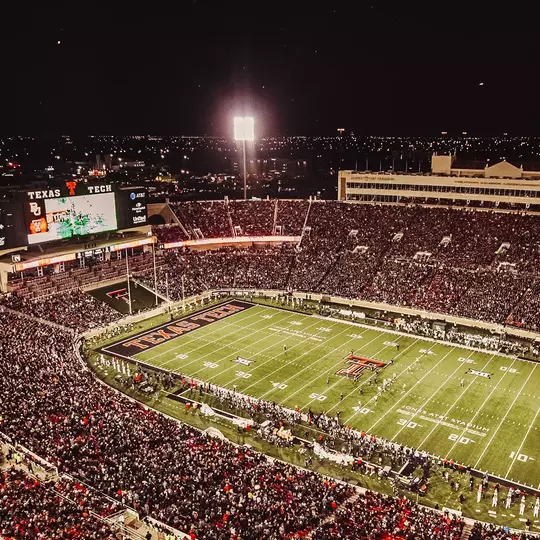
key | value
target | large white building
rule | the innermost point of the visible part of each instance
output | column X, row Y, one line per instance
column 501, row 182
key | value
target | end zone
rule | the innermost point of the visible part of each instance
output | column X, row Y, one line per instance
column 149, row 339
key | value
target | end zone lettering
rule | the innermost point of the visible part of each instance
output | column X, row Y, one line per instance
column 156, row 336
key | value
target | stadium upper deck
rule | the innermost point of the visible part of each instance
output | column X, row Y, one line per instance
column 498, row 183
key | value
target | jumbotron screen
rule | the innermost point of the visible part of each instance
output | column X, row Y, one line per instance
column 65, row 217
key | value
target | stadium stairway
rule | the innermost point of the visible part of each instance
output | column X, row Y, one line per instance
column 352, row 499
column 466, row 531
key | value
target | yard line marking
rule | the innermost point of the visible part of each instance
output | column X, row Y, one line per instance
column 205, row 344
column 407, row 369
column 303, row 354
column 504, row 418
column 429, row 398
column 194, row 337
column 236, row 350
column 340, row 380
column 413, row 386
column 273, row 358
column 321, row 358
column 438, row 423
column 364, row 383
column 523, row 442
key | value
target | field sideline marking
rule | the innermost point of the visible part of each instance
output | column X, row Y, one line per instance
column 446, row 380
column 364, row 383
column 236, row 366
column 401, row 373
column 318, row 360
column 296, row 358
column 481, row 406
column 522, row 442
column 438, row 423
column 412, row 387
column 504, row 417
column 213, row 352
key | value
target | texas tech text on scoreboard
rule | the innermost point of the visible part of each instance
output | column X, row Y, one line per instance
column 76, row 209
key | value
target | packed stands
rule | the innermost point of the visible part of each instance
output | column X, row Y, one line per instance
column 30, row 509
column 378, row 517
column 52, row 405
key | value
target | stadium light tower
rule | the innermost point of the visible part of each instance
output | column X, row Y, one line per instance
column 244, row 130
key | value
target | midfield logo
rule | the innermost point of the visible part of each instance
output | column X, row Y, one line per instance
column 479, row 373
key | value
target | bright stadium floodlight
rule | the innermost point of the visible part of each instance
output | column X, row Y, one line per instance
column 244, row 130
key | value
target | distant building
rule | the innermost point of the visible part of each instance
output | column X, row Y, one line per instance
column 500, row 182
column 282, row 166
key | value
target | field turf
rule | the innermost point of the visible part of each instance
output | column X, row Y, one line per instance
column 487, row 418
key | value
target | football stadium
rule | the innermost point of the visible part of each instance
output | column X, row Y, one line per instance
column 261, row 369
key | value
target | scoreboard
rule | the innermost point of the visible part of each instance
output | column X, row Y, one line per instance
column 70, row 210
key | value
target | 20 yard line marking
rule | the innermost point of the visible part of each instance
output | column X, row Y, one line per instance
column 522, row 442
column 504, row 418
column 277, row 356
column 407, row 393
column 421, row 408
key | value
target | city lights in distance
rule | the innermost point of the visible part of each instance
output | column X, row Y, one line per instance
column 244, row 128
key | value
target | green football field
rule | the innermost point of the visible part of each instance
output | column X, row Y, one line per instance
column 478, row 409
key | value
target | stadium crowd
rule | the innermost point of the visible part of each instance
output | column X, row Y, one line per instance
column 30, row 509
column 52, row 405
column 375, row 516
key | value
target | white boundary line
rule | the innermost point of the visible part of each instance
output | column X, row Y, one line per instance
column 504, row 417
column 522, row 442
column 410, row 390
column 481, row 407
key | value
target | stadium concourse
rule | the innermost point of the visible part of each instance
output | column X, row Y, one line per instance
column 481, row 265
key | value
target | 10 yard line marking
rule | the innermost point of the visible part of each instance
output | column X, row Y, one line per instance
column 481, row 406
column 504, row 418
column 194, row 336
column 296, row 358
column 199, row 358
column 273, row 358
column 412, row 387
column 522, row 442
column 460, row 366
column 364, row 383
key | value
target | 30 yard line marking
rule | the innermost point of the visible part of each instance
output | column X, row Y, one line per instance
column 421, row 408
column 364, row 383
column 477, row 412
column 407, row 393
column 522, row 442
column 279, row 354
column 504, row 418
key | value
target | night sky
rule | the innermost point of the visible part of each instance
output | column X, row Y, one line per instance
column 302, row 68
